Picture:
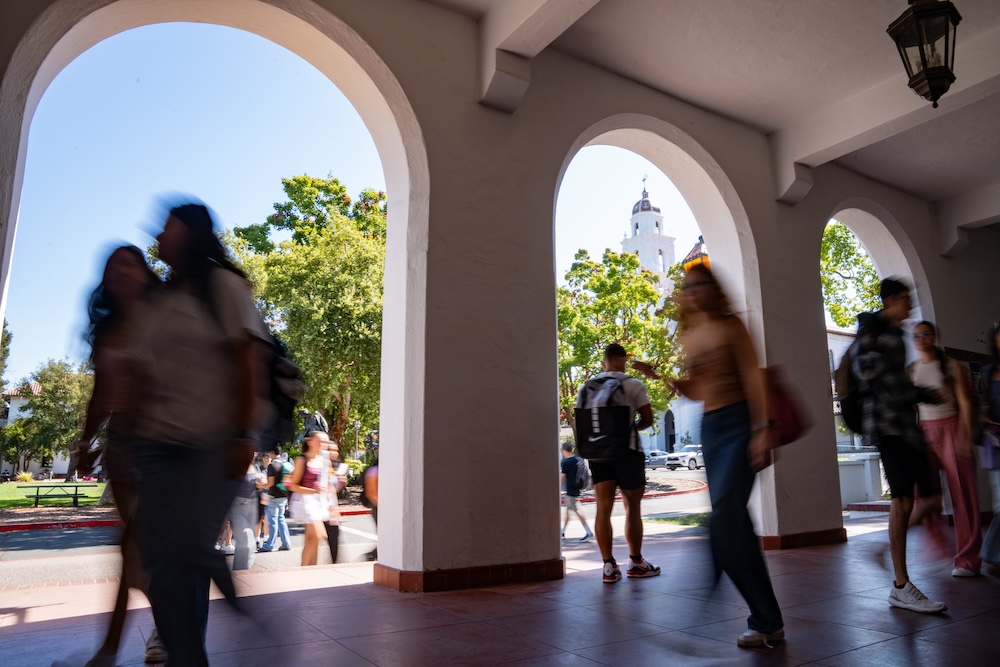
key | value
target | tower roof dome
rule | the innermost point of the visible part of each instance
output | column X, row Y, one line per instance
column 644, row 205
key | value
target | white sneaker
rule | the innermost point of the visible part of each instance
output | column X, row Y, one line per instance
column 963, row 572
column 229, row 549
column 756, row 638
column 910, row 597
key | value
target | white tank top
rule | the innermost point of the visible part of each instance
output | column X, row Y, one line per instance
column 930, row 376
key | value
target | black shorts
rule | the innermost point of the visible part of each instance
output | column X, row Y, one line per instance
column 629, row 471
column 906, row 469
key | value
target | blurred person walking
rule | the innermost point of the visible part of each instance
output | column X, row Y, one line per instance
column 310, row 502
column 206, row 354
column 117, row 310
column 338, row 479
column 989, row 449
column 243, row 519
column 369, row 498
column 722, row 371
column 948, row 428
column 878, row 362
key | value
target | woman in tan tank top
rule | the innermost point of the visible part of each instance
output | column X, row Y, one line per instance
column 722, row 372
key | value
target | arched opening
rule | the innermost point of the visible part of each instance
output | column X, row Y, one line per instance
column 67, row 29
column 716, row 213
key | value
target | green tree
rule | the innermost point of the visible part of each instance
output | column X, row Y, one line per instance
column 850, row 281
column 614, row 301
column 56, row 415
column 321, row 291
column 5, row 338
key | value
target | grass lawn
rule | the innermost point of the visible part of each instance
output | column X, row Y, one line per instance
column 12, row 496
column 694, row 519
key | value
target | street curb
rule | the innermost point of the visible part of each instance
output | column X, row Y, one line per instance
column 655, row 494
column 60, row 525
column 103, row 523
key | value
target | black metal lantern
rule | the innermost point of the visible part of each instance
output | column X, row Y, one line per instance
column 925, row 37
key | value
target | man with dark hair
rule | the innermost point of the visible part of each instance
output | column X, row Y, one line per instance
column 890, row 421
column 274, row 511
column 628, row 473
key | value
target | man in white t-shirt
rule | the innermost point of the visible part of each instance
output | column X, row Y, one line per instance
column 628, row 472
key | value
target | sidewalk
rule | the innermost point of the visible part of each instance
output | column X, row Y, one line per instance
column 834, row 602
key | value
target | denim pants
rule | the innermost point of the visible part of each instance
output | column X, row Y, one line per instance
column 276, row 524
column 243, row 519
column 725, row 436
column 184, row 494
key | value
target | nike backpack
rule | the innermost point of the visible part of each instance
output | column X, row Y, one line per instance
column 603, row 430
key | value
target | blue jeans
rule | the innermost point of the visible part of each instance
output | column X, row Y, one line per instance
column 725, row 436
column 276, row 525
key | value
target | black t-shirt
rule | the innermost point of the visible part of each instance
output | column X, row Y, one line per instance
column 569, row 468
column 275, row 470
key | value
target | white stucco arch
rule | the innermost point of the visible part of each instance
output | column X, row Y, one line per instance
column 67, row 28
column 889, row 246
column 705, row 187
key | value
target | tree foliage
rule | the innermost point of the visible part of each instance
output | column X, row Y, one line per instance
column 5, row 339
column 614, row 301
column 321, row 290
column 850, row 281
column 55, row 417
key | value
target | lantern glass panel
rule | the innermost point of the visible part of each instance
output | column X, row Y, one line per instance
column 912, row 60
column 934, row 33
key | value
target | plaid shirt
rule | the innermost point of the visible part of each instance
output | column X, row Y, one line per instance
column 890, row 398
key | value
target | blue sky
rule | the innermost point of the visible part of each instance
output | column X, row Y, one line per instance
column 224, row 118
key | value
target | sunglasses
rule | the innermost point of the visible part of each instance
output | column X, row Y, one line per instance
column 700, row 283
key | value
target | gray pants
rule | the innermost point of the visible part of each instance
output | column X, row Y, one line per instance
column 243, row 519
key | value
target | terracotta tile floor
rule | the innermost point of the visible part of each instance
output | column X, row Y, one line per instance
column 833, row 598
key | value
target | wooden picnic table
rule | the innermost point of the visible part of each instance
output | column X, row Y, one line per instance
column 63, row 491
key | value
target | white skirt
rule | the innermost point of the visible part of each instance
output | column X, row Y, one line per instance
column 309, row 508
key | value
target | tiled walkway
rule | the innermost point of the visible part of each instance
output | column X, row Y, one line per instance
column 834, row 602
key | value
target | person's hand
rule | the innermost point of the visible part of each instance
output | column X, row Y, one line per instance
column 86, row 456
column 760, row 449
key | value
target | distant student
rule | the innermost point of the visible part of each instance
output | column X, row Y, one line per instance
column 569, row 467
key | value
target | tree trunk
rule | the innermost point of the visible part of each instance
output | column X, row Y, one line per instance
column 569, row 416
column 341, row 418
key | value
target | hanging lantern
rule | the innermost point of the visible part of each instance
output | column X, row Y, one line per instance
column 925, row 37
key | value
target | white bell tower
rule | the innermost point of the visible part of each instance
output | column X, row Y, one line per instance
column 648, row 239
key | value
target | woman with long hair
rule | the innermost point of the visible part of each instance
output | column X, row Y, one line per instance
column 990, row 391
column 206, row 352
column 309, row 482
column 948, row 428
column 116, row 310
column 722, row 371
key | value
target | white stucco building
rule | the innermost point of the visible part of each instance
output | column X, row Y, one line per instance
column 771, row 117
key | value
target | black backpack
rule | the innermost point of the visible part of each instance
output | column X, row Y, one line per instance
column 849, row 394
column 603, row 430
column 286, row 390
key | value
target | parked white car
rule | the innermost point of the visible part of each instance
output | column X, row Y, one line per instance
column 689, row 456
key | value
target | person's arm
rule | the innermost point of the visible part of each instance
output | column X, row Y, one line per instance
column 645, row 417
column 755, row 390
column 966, row 418
column 371, row 488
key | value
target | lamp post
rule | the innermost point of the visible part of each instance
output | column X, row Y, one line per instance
column 925, row 37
